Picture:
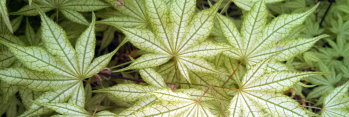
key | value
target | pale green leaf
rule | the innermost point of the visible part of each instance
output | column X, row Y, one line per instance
column 180, row 15
column 183, row 70
column 153, row 78
column 4, row 15
column 123, row 21
column 78, row 96
column 174, row 104
column 101, row 62
column 6, row 58
column 132, row 14
column 336, row 104
column 169, row 95
column 198, row 64
column 260, row 93
column 158, row 17
column 144, row 39
column 128, row 92
column 57, row 96
column 199, row 28
column 183, row 109
column 149, row 60
column 139, row 105
column 247, row 4
column 32, row 11
column 85, row 6
column 75, row 16
column 280, row 27
column 57, row 43
column 253, row 25
column 105, row 114
column 205, row 49
column 131, row 8
column 263, row 104
column 276, row 81
column 28, row 96
column 231, row 32
column 37, row 58
column 34, row 80
column 257, row 41
column 85, row 47
column 67, row 109
column 294, row 47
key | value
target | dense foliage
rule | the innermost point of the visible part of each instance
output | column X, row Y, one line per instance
column 174, row 58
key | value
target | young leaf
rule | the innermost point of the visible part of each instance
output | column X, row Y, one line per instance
column 57, row 96
column 177, row 36
column 84, row 6
column 248, row 4
column 336, row 104
column 57, row 65
column 173, row 104
column 128, row 92
column 257, row 41
column 35, row 80
column 67, row 109
column 132, row 14
column 56, row 42
column 258, row 95
column 69, row 8
column 152, row 77
column 75, row 16
column 85, row 47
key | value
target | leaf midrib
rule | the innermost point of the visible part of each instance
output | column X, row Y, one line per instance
column 60, row 46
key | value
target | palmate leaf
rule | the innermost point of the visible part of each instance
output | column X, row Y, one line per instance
column 176, row 104
column 257, row 40
column 131, row 14
column 55, row 65
column 325, row 84
column 177, row 35
column 260, row 93
column 188, row 103
column 336, row 104
column 69, row 8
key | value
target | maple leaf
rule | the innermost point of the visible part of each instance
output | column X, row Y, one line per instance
column 57, row 68
column 258, row 40
column 336, row 104
column 177, row 35
column 69, row 8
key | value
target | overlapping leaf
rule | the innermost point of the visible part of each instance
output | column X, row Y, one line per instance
column 4, row 15
column 55, row 65
column 336, row 104
column 248, row 4
column 69, row 8
column 257, row 40
column 130, row 13
column 260, row 93
column 177, row 36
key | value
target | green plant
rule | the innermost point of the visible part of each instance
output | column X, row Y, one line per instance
column 54, row 66
column 176, row 37
column 185, row 58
